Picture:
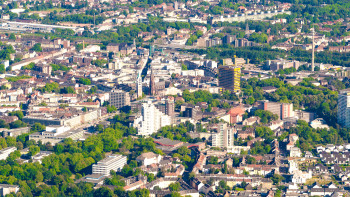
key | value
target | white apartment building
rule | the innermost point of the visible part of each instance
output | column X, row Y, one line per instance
column 298, row 176
column 295, row 152
column 149, row 158
column 4, row 153
column 344, row 108
column 112, row 162
column 8, row 189
column 195, row 72
column 224, row 138
column 151, row 120
column 163, row 68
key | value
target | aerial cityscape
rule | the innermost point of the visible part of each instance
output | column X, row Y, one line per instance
column 191, row 98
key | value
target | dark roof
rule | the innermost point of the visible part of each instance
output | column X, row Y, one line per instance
column 269, row 88
column 167, row 142
column 113, row 44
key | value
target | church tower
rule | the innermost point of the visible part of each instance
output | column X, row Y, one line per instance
column 139, row 84
column 152, row 85
column 247, row 29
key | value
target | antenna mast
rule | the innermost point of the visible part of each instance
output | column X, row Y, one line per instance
column 313, row 49
column 94, row 20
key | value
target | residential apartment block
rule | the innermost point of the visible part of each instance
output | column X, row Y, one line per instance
column 344, row 108
column 151, row 119
column 224, row 138
column 282, row 64
column 119, row 98
column 283, row 110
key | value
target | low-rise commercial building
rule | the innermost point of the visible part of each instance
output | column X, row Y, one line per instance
column 4, row 153
column 19, row 26
column 65, row 119
column 282, row 64
column 15, row 132
column 56, row 135
column 112, row 162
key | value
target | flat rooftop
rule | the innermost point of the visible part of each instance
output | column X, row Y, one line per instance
column 39, row 25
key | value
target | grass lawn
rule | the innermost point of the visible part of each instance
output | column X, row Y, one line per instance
column 321, row 180
column 49, row 10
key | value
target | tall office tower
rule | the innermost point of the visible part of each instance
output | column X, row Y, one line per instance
column 344, row 108
column 112, row 162
column 224, row 138
column 152, row 85
column 119, row 98
column 230, row 78
column 151, row 119
column 139, row 84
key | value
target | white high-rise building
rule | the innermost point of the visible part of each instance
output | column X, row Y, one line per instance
column 224, row 138
column 344, row 108
column 112, row 162
column 151, row 119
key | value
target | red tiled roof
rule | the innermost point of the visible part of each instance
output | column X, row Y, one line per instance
column 236, row 111
column 89, row 103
